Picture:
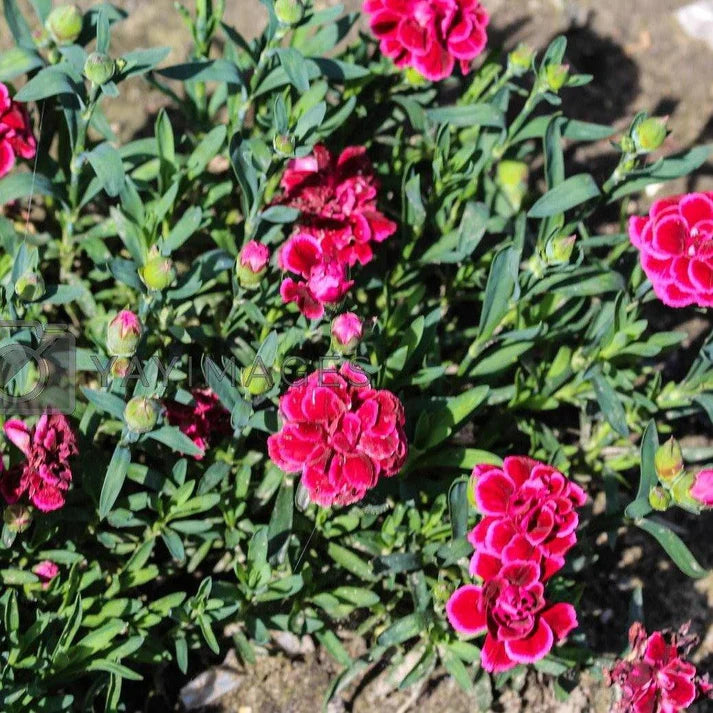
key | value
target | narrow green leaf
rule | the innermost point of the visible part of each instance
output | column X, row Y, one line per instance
column 575, row 191
column 674, row 547
column 114, row 479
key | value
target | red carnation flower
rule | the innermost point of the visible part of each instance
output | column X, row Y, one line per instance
column 429, row 35
column 676, row 247
column 530, row 514
column 336, row 198
column 204, row 421
column 341, row 434
column 16, row 138
column 46, row 475
column 521, row 626
column 656, row 677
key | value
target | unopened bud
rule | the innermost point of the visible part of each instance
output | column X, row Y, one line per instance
column 520, row 59
column 123, row 334
column 556, row 76
column 256, row 379
column 650, row 134
column 99, row 68
column 30, row 287
column 158, row 273
column 17, row 518
column 347, row 331
column 668, row 461
column 141, row 414
column 560, row 248
column 120, row 367
column 289, row 12
column 64, row 24
column 659, row 499
column 252, row 264
column 512, row 177
column 284, row 144
column 681, row 493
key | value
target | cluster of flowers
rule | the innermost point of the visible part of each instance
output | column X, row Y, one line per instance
column 339, row 223
column 656, row 677
column 340, row 434
column 529, row 524
column 45, row 475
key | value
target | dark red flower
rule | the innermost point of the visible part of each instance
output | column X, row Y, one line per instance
column 341, row 434
column 204, row 421
column 656, row 677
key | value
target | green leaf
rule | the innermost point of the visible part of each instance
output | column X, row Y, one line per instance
column 647, row 479
column 501, row 284
column 351, row 562
column 176, row 440
column 107, row 164
column 401, row 630
column 114, row 479
column 567, row 195
column 294, row 65
column 609, row 402
column 49, row 82
column 467, row 116
column 18, row 25
column 17, row 61
column 458, row 508
column 674, row 547
column 104, row 401
column 188, row 224
column 206, row 151
column 447, row 418
column 280, row 527
column 21, row 185
column 214, row 70
column 142, row 61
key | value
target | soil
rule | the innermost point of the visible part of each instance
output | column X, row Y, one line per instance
column 641, row 59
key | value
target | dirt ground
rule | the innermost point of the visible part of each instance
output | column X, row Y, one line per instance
column 641, row 59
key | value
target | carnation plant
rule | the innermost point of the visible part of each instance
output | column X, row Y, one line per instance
column 346, row 346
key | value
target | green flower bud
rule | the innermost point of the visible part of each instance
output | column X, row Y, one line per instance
column 650, row 134
column 256, row 379
column 512, row 177
column 99, row 68
column 64, row 24
column 659, row 499
column 681, row 493
column 158, row 273
column 141, row 414
column 284, row 144
column 123, row 334
column 559, row 249
column 17, row 518
column 556, row 76
column 668, row 461
column 520, row 59
column 30, row 287
column 289, row 12
column 120, row 367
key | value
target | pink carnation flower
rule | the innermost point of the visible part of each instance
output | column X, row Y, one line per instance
column 324, row 278
column 522, row 627
column 46, row 475
column 255, row 256
column 530, row 514
column 16, row 137
column 204, row 421
column 46, row 571
column 702, row 489
column 341, row 434
column 676, row 248
column 347, row 329
column 336, row 198
column 429, row 35
column 656, row 677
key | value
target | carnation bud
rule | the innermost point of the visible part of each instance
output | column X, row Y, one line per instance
column 64, row 24
column 141, row 414
column 284, row 144
column 681, row 493
column 17, row 518
column 560, row 248
column 668, row 461
column 556, row 76
column 256, row 379
column 120, row 367
column 289, row 12
column 99, row 68
column 252, row 264
column 659, row 499
column 158, row 272
column 123, row 334
column 650, row 134
column 30, row 287
column 347, row 331
column 512, row 177
column 520, row 59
